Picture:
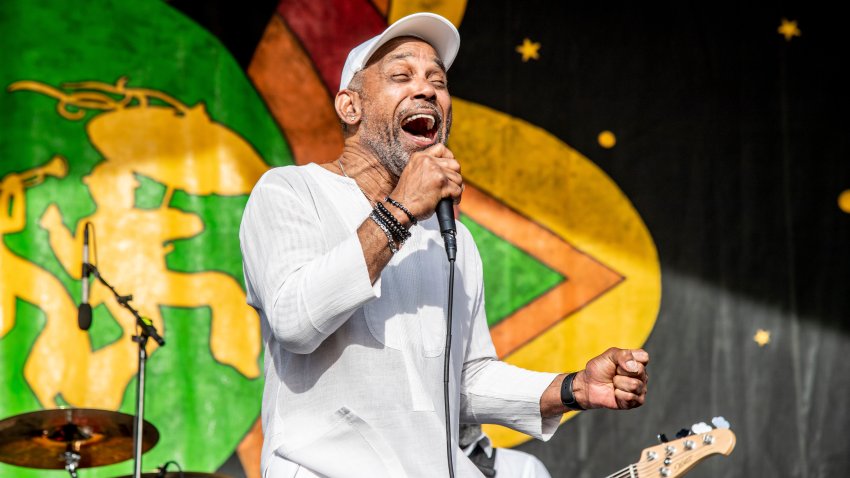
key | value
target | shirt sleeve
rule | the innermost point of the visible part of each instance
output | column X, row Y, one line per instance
column 493, row 391
column 305, row 285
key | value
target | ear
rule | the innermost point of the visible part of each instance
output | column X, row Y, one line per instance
column 348, row 107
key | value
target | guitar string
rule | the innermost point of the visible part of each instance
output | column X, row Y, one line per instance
column 621, row 473
column 639, row 469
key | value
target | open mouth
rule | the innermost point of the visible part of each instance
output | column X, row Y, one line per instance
column 422, row 127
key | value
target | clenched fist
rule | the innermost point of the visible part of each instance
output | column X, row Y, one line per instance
column 430, row 175
column 615, row 379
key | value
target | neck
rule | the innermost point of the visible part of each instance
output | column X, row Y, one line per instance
column 363, row 166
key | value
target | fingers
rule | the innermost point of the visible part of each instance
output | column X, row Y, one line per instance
column 626, row 400
column 449, row 168
column 442, row 155
column 453, row 187
column 450, row 164
column 629, row 384
column 630, row 380
column 430, row 175
column 632, row 362
column 641, row 356
column 617, row 378
column 439, row 150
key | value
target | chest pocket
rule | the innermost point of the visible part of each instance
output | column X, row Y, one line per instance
column 411, row 312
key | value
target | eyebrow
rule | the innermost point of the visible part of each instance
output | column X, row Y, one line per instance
column 403, row 55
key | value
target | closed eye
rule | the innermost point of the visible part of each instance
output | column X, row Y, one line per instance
column 438, row 80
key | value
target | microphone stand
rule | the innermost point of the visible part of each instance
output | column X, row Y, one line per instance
column 146, row 331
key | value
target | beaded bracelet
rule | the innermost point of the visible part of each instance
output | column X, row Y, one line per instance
column 400, row 234
column 400, row 206
column 380, row 222
column 391, row 221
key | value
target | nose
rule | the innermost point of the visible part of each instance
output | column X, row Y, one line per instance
column 424, row 90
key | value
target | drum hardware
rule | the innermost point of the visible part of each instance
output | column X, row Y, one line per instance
column 146, row 331
column 70, row 438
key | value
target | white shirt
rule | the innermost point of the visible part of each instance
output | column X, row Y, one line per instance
column 354, row 370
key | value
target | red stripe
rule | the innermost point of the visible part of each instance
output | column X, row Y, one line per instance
column 329, row 29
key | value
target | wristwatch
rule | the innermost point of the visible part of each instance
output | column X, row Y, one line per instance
column 567, row 397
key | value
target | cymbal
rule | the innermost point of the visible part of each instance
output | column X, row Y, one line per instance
column 176, row 474
column 100, row 437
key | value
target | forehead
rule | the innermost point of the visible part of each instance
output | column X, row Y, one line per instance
column 405, row 48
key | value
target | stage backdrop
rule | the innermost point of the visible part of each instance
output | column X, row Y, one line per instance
column 666, row 176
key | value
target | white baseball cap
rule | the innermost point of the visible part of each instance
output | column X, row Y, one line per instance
column 430, row 27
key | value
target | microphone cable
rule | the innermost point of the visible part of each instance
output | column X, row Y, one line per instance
column 446, row 363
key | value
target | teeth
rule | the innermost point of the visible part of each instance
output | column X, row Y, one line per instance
column 430, row 118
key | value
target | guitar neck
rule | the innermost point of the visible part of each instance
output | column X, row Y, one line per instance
column 675, row 458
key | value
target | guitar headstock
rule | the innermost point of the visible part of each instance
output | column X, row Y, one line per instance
column 677, row 457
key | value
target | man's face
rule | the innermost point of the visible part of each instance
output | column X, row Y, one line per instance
column 406, row 105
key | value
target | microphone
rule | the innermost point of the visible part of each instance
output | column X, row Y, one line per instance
column 446, row 218
column 84, row 315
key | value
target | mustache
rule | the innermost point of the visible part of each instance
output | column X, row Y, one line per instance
column 419, row 107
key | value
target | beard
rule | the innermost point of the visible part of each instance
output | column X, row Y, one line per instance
column 384, row 138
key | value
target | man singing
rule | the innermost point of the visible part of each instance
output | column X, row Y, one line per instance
column 346, row 266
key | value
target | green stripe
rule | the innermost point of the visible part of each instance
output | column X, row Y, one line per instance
column 512, row 278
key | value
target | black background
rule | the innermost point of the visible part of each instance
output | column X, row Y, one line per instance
column 732, row 145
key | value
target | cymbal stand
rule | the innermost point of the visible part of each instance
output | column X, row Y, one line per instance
column 70, row 434
column 146, row 331
column 72, row 461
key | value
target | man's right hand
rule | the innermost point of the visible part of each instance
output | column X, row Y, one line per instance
column 430, row 175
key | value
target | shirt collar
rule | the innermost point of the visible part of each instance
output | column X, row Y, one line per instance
column 484, row 442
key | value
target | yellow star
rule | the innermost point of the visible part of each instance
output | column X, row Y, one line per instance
column 789, row 29
column 528, row 50
column 762, row 337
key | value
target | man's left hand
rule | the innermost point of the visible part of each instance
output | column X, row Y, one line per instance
column 615, row 379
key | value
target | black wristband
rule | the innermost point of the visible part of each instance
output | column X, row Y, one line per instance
column 567, row 397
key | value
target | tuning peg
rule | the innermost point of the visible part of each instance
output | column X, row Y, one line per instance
column 683, row 433
column 700, row 427
column 720, row 422
column 662, row 438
